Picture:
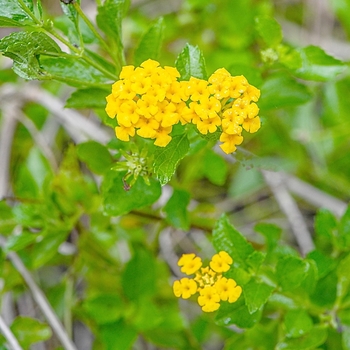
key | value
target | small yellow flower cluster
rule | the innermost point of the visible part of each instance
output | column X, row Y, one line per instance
column 208, row 281
column 149, row 100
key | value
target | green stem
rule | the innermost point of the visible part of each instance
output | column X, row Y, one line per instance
column 28, row 12
column 90, row 25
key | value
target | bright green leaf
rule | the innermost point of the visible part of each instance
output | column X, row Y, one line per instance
column 167, row 158
column 290, row 272
column 95, row 155
column 343, row 277
column 279, row 91
column 317, row 65
column 29, row 331
column 176, row 209
column 191, row 63
column 25, row 48
column 20, row 241
column 150, row 44
column 214, row 168
column 139, row 276
column 256, row 294
column 118, row 201
column 88, row 98
column 109, row 19
column 227, row 238
column 269, row 29
column 46, row 249
column 297, row 323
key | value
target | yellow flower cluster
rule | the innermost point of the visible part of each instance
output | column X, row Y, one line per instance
column 208, row 281
column 149, row 100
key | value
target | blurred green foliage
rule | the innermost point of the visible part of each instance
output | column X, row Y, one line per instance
column 120, row 273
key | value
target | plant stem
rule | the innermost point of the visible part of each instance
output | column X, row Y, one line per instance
column 28, row 12
column 10, row 338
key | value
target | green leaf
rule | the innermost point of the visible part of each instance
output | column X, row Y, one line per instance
column 279, row 91
column 238, row 314
column 176, row 209
column 269, row 29
column 297, row 323
column 104, row 308
column 342, row 10
column 256, row 294
column 95, row 155
column 290, row 272
column 139, row 276
column 12, row 14
column 25, row 48
column 167, row 158
column 344, row 229
column 325, row 228
column 343, row 277
column 46, row 249
column 272, row 234
column 310, row 341
column 191, row 63
column 109, row 19
column 150, row 44
column 118, row 335
column 70, row 12
column 117, row 201
column 346, row 337
column 72, row 71
column 317, row 65
column 88, row 98
column 214, row 168
column 323, row 262
column 18, row 242
column 227, row 238
column 29, row 331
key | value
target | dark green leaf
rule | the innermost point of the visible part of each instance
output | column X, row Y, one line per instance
column 139, row 276
column 176, row 209
column 297, row 323
column 88, row 98
column 191, row 63
column 325, row 228
column 269, row 30
column 104, row 308
column 167, row 158
column 150, row 44
column 272, row 234
column 29, row 331
column 325, row 291
column 117, row 201
column 25, row 48
column 238, row 314
column 256, row 294
column 291, row 271
column 279, row 91
column 227, row 238
column 317, row 336
column 317, row 65
column 95, row 155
